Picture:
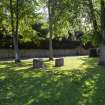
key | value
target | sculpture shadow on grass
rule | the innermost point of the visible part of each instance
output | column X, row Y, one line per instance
column 21, row 86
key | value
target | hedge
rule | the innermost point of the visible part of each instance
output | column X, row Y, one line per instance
column 44, row 44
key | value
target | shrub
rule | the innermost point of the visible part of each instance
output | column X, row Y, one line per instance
column 94, row 52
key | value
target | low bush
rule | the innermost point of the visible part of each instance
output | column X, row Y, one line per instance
column 94, row 52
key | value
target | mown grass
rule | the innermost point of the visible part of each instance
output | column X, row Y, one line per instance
column 80, row 82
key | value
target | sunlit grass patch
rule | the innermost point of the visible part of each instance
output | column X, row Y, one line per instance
column 79, row 82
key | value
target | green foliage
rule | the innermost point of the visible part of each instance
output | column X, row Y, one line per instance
column 87, row 38
column 27, row 16
column 67, row 15
column 41, row 29
column 76, row 15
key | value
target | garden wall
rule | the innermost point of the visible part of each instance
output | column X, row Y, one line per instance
column 31, row 53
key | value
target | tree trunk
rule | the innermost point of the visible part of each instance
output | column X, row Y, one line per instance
column 102, row 54
column 17, row 58
column 50, row 29
column 93, row 17
column 14, row 34
column 102, row 48
column 94, row 22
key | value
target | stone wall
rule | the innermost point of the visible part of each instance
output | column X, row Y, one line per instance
column 32, row 53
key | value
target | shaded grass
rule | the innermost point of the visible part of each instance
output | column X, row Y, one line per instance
column 80, row 82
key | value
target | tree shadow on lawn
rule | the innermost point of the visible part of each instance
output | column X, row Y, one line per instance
column 22, row 86
column 95, row 82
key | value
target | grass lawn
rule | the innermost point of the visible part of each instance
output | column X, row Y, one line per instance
column 80, row 82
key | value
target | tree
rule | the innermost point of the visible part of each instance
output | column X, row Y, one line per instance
column 102, row 48
column 50, row 13
column 15, row 32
